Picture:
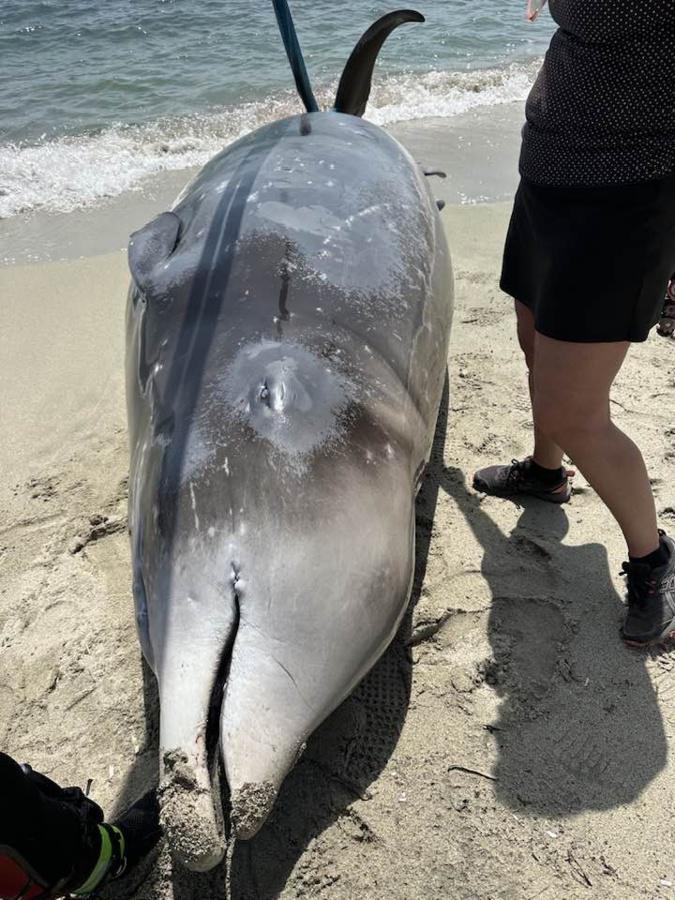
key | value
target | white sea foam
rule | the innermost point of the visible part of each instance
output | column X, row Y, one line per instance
column 76, row 171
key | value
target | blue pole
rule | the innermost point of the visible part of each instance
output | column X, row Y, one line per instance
column 294, row 53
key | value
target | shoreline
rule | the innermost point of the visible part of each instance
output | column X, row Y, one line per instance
column 478, row 150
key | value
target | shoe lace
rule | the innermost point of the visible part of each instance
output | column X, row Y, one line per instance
column 517, row 470
column 640, row 582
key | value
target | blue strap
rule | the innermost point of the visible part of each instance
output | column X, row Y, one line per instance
column 294, row 53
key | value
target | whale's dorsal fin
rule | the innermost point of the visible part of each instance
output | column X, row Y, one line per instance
column 152, row 245
column 354, row 89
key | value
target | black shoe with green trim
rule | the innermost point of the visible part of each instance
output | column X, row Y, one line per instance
column 651, row 599
column 519, row 479
column 124, row 843
column 111, row 861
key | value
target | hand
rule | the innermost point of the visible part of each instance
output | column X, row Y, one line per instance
column 534, row 7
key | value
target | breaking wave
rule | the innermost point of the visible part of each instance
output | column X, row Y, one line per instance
column 82, row 170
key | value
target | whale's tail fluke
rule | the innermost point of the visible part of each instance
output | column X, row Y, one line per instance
column 354, row 89
column 294, row 53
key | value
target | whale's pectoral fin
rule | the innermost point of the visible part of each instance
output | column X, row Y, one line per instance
column 439, row 173
column 354, row 89
column 152, row 246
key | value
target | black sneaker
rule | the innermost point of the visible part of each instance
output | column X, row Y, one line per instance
column 124, row 845
column 141, row 830
column 519, row 478
column 651, row 600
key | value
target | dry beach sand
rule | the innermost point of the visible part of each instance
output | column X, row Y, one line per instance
column 507, row 745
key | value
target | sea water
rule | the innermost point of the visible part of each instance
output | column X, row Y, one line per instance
column 96, row 97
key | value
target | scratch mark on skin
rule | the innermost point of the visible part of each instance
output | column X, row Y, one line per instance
column 194, row 505
column 265, row 635
column 295, row 683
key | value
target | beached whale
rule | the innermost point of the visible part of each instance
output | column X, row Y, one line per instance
column 287, row 327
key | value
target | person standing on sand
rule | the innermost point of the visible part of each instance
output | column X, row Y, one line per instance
column 54, row 842
column 589, row 252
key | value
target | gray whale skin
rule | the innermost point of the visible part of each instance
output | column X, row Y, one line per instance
column 287, row 336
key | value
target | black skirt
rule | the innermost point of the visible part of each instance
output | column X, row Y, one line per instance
column 592, row 263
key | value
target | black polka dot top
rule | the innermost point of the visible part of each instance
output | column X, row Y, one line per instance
column 602, row 110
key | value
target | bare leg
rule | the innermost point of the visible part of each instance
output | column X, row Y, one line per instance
column 571, row 405
column 546, row 452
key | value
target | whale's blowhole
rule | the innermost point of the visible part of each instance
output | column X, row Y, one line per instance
column 288, row 395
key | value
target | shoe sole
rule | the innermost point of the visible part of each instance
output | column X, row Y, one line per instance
column 559, row 497
column 668, row 634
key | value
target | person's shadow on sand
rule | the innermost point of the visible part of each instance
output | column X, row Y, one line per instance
column 579, row 727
